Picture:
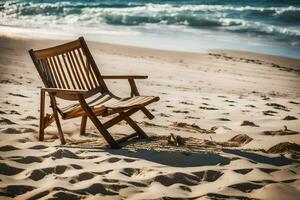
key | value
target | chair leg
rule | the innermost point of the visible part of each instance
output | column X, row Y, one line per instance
column 83, row 125
column 111, row 141
column 138, row 129
column 55, row 113
column 42, row 116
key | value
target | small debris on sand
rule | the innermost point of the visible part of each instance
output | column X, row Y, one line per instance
column 285, row 147
column 241, row 139
column 285, row 131
column 191, row 127
column 175, row 140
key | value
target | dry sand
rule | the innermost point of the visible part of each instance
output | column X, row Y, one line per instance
column 238, row 114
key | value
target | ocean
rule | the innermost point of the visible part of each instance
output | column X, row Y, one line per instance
column 264, row 26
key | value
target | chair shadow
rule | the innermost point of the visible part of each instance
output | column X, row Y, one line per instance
column 276, row 161
column 176, row 159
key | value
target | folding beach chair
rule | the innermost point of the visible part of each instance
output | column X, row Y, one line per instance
column 69, row 72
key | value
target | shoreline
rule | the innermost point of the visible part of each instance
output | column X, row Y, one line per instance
column 156, row 41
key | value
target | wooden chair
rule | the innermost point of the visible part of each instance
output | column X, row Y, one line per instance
column 69, row 72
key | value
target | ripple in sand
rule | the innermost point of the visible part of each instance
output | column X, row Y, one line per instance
column 175, row 178
column 11, row 131
column 208, row 175
column 38, row 147
column 8, row 148
column 15, row 190
column 39, row 174
column 243, row 171
column 28, row 160
column 63, row 153
column 66, row 195
column 82, row 177
column 246, row 187
column 268, row 170
column 9, row 170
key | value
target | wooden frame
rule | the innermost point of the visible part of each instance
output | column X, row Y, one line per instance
column 69, row 72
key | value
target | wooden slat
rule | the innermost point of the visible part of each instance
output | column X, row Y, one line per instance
column 60, row 49
column 69, row 72
column 76, row 78
column 76, row 70
column 61, row 79
column 53, row 73
column 62, row 70
column 82, row 72
column 87, row 69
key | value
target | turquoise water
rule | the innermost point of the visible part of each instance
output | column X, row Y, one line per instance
column 269, row 26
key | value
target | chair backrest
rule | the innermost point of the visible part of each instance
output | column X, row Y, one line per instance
column 68, row 66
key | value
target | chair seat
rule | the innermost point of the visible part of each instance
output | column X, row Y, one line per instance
column 106, row 105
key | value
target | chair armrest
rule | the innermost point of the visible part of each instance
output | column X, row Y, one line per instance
column 124, row 77
column 66, row 91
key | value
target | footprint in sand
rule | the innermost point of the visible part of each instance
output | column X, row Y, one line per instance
column 229, row 101
column 250, row 106
column 17, row 95
column 180, row 111
column 186, row 103
column 269, row 112
column 223, row 119
column 164, row 115
column 293, row 102
column 4, row 121
column 248, row 123
column 207, row 108
column 290, row 118
column 191, row 117
column 277, row 106
column 28, row 118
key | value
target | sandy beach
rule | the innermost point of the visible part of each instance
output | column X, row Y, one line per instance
column 238, row 113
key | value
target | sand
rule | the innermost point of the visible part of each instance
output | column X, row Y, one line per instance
column 236, row 115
